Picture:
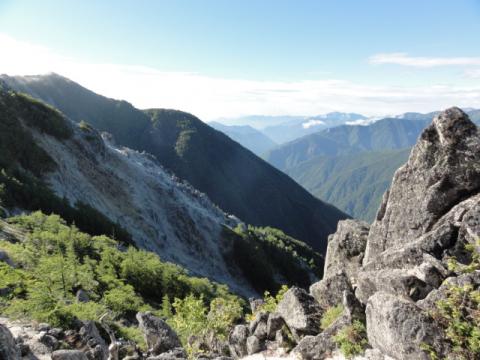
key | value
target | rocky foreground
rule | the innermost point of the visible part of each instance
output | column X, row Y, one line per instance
column 386, row 279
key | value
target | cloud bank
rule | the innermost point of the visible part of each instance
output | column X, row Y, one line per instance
column 213, row 97
column 422, row 62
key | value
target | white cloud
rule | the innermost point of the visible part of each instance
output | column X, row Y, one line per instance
column 424, row 62
column 312, row 123
column 211, row 97
column 473, row 73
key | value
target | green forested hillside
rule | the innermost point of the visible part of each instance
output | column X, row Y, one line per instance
column 234, row 178
column 354, row 183
column 346, row 139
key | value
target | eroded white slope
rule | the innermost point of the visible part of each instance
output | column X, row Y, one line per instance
column 161, row 213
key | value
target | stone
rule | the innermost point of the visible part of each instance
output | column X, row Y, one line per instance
column 5, row 258
column 470, row 279
column 173, row 354
column 69, row 355
column 82, row 296
column 258, row 326
column 346, row 248
column 398, row 327
column 50, row 341
column 159, row 336
column 238, row 341
column 394, row 281
column 274, row 323
column 254, row 345
column 329, row 291
column 443, row 169
column 8, row 348
column 301, row 312
column 89, row 334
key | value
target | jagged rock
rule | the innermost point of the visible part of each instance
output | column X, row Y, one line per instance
column 375, row 354
column 471, row 279
column 57, row 333
column 329, row 291
column 346, row 248
column 69, row 355
column 8, row 348
column 398, row 327
column 322, row 345
column 43, row 327
column 258, row 326
column 159, row 336
column 173, row 354
column 443, row 169
column 394, row 281
column 82, row 296
column 98, row 349
column 238, row 341
column 254, row 345
column 301, row 312
column 50, row 341
column 274, row 323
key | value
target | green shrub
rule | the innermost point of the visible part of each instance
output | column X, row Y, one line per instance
column 352, row 339
column 330, row 315
column 54, row 260
column 459, row 312
column 269, row 302
column 133, row 334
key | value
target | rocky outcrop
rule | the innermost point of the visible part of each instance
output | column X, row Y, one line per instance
column 346, row 249
column 443, row 170
column 69, row 355
column 329, row 291
column 399, row 328
column 238, row 341
column 301, row 312
column 398, row 268
column 159, row 336
column 8, row 348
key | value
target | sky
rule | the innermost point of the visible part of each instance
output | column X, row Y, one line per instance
column 229, row 58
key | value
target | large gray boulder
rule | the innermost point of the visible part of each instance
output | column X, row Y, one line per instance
column 159, row 336
column 442, row 170
column 394, row 281
column 398, row 327
column 69, row 355
column 8, row 349
column 238, row 341
column 301, row 312
column 346, row 248
column 329, row 291
column 97, row 347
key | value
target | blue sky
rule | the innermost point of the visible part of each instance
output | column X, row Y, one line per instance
column 230, row 58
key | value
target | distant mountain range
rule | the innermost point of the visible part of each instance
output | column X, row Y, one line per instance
column 282, row 129
column 385, row 134
column 233, row 177
column 290, row 130
column 250, row 138
column 351, row 166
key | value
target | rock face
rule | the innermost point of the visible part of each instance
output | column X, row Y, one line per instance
column 443, row 169
column 159, row 336
column 346, row 248
column 398, row 327
column 398, row 267
column 8, row 348
column 238, row 341
column 301, row 312
column 68, row 355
